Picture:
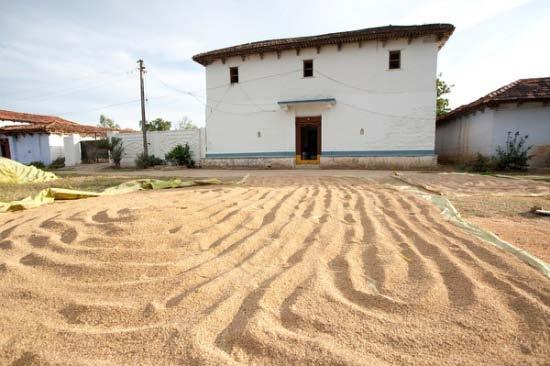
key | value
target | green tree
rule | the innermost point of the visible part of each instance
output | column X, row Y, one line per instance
column 158, row 124
column 106, row 122
column 442, row 89
column 186, row 124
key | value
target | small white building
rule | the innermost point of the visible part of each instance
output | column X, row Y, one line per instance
column 481, row 126
column 361, row 98
column 28, row 137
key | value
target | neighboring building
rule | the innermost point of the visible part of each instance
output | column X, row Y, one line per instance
column 361, row 98
column 479, row 127
column 30, row 137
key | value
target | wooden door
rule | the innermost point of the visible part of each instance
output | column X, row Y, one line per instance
column 5, row 148
column 308, row 140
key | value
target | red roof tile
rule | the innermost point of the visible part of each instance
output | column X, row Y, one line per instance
column 442, row 31
column 36, row 123
column 522, row 90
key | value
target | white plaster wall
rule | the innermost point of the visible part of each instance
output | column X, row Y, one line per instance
column 460, row 139
column 396, row 108
column 72, row 151
column 532, row 119
column 160, row 143
column 28, row 148
column 56, row 146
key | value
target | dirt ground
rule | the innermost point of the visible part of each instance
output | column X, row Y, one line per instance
column 283, row 271
column 500, row 205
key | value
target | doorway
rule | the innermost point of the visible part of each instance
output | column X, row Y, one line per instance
column 308, row 140
column 5, row 148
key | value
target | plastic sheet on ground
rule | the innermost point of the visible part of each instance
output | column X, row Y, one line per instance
column 451, row 213
column 16, row 173
column 50, row 195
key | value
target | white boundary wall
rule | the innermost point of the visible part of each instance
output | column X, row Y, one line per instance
column 72, row 149
column 161, row 142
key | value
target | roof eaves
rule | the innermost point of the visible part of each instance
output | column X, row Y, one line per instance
column 443, row 32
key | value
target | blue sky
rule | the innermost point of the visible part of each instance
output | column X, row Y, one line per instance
column 77, row 59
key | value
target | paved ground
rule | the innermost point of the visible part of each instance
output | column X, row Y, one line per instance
column 285, row 270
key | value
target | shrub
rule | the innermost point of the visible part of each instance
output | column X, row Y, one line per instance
column 115, row 147
column 37, row 164
column 514, row 155
column 153, row 160
column 57, row 163
column 143, row 161
column 481, row 164
column 181, row 155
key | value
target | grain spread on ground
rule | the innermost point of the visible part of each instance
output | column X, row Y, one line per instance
column 301, row 270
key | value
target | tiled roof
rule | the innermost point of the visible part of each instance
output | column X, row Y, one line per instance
column 442, row 31
column 36, row 123
column 522, row 90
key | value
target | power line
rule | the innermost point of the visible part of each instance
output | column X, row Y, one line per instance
column 68, row 91
column 110, row 105
column 229, row 84
column 362, row 109
column 271, row 111
column 89, row 76
column 228, row 112
column 99, row 108
column 370, row 91
column 253, row 104
column 250, row 99
column 218, row 102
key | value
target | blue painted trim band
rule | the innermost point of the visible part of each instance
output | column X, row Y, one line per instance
column 330, row 154
column 300, row 101
column 380, row 153
column 268, row 154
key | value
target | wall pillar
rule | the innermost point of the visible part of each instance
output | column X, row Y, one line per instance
column 71, row 146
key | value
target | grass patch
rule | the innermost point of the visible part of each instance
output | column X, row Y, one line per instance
column 13, row 192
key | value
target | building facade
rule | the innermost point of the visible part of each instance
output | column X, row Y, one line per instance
column 481, row 126
column 362, row 98
column 29, row 138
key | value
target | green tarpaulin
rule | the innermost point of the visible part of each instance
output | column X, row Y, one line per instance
column 16, row 173
column 49, row 195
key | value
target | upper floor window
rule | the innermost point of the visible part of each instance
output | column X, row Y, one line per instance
column 308, row 68
column 395, row 60
column 234, row 75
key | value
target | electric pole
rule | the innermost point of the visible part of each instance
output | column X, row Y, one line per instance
column 143, row 120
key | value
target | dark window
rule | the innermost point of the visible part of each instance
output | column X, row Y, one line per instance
column 308, row 68
column 234, row 74
column 395, row 60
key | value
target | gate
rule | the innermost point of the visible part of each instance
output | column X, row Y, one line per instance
column 94, row 151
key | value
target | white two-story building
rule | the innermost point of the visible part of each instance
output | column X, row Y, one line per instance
column 361, row 98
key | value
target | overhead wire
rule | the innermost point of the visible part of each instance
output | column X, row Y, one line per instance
column 258, row 106
column 218, row 102
column 260, row 109
column 370, row 91
column 68, row 91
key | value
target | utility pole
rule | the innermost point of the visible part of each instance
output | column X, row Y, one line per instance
column 143, row 120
